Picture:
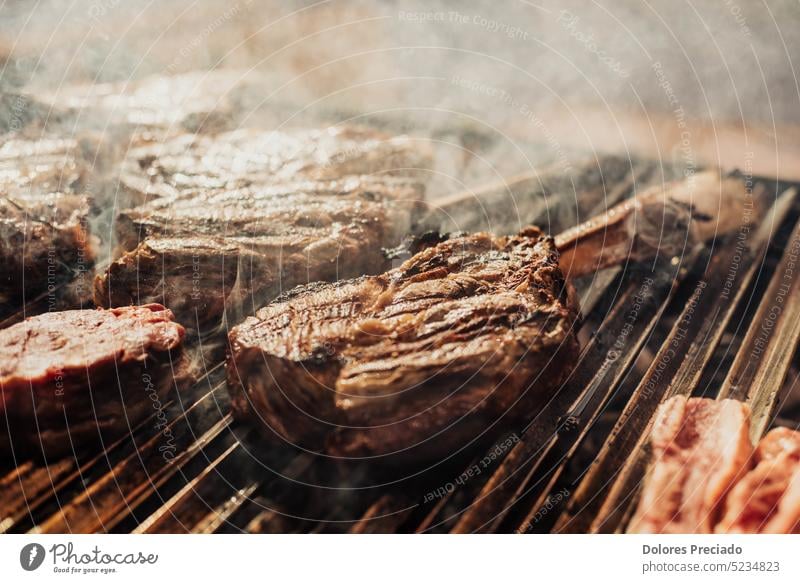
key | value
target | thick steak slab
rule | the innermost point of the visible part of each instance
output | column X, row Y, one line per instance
column 68, row 378
column 418, row 361
column 44, row 231
column 195, row 162
column 194, row 101
column 202, row 253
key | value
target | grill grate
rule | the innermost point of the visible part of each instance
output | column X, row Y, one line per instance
column 567, row 473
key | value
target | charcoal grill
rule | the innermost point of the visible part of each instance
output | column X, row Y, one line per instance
column 691, row 326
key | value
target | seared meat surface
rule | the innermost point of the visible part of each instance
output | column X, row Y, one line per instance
column 701, row 447
column 44, row 236
column 234, row 220
column 70, row 378
column 200, row 253
column 194, row 101
column 253, row 157
column 293, row 209
column 44, row 240
column 767, row 499
column 46, row 164
column 419, row 361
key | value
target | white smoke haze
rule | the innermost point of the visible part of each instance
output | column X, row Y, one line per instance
column 412, row 61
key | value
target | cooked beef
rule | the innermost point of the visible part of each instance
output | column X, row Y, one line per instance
column 195, row 101
column 70, row 378
column 664, row 220
column 288, row 209
column 202, row 253
column 419, row 361
column 44, row 164
column 252, row 157
column 44, row 236
column 700, row 447
column 767, row 499
column 194, row 276
column 44, row 241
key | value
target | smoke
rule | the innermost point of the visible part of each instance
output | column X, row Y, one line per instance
column 497, row 87
column 583, row 53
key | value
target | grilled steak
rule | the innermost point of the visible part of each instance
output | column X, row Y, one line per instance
column 69, row 378
column 234, row 220
column 44, row 234
column 44, row 241
column 701, row 447
column 252, row 157
column 419, row 361
column 48, row 164
column 200, row 253
column 294, row 208
column 195, row 101
column 767, row 499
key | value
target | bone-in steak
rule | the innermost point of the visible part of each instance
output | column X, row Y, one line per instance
column 419, row 361
column 68, row 378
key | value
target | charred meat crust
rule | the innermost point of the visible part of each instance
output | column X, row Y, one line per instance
column 71, row 378
column 194, row 276
column 421, row 359
column 280, row 209
column 44, row 240
column 44, row 231
column 244, row 158
column 203, row 253
column 288, row 211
